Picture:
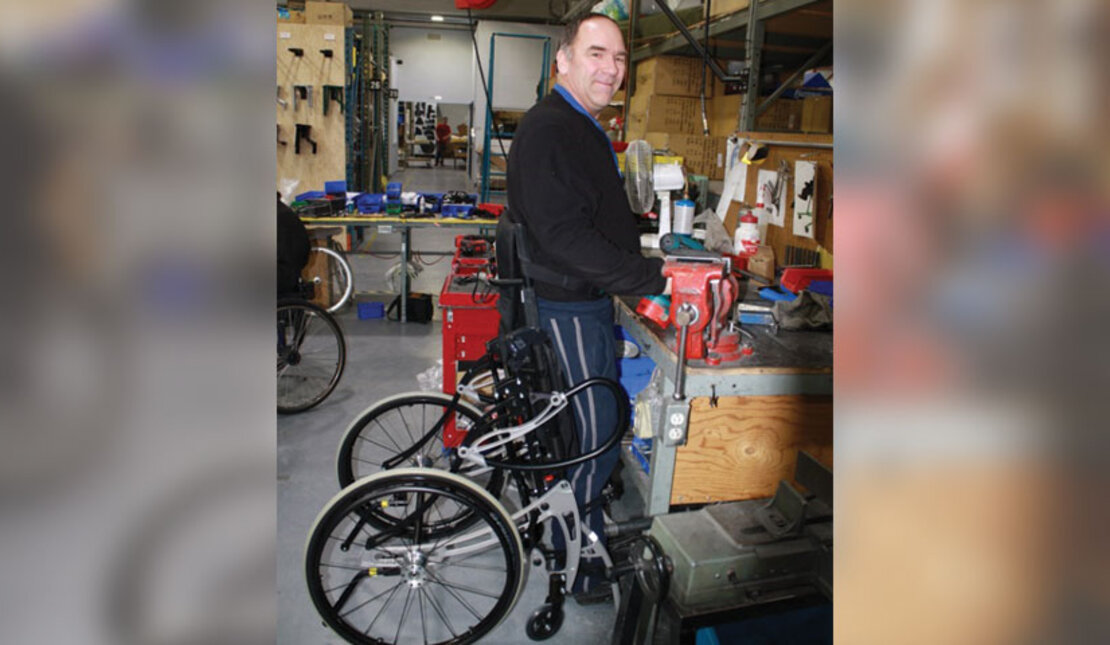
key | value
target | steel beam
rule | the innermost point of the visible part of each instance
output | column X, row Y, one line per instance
column 580, row 7
column 764, row 11
column 810, row 62
column 753, row 58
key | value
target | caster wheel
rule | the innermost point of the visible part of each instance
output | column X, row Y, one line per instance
column 544, row 622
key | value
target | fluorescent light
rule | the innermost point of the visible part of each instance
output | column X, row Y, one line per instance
column 439, row 98
column 437, row 18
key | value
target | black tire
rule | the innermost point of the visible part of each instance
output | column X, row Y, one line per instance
column 356, row 575
column 311, row 355
column 544, row 622
column 394, row 425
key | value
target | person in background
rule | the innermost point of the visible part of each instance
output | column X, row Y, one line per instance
column 566, row 190
column 443, row 140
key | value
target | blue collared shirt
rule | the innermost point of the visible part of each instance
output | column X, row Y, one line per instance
column 578, row 106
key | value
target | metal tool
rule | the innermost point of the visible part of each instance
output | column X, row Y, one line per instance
column 303, row 132
column 302, row 93
column 333, row 93
column 682, row 245
column 706, row 285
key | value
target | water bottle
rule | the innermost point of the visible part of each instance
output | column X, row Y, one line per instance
column 747, row 238
column 683, row 217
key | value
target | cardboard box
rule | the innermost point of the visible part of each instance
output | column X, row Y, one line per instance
column 672, row 76
column 328, row 13
column 816, row 114
column 724, row 114
column 702, row 155
column 725, row 7
column 781, row 115
column 656, row 113
column 763, row 263
column 294, row 18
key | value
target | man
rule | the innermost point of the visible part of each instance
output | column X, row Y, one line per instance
column 443, row 139
column 292, row 249
column 566, row 190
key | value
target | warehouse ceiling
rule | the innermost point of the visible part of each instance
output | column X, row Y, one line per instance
column 548, row 11
column 791, row 37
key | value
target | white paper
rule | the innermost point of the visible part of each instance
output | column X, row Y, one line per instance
column 765, row 195
column 805, row 189
column 733, row 191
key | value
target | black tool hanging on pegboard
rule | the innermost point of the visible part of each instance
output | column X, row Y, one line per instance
column 303, row 132
column 302, row 93
column 333, row 93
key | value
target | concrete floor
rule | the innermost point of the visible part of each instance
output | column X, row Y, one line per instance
column 383, row 359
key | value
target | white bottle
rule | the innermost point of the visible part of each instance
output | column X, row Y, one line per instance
column 683, row 217
column 747, row 239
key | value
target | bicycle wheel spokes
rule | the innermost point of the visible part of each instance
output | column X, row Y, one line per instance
column 398, row 586
column 333, row 274
column 311, row 356
column 407, row 430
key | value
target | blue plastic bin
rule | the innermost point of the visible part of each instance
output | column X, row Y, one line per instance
column 370, row 202
column 456, row 210
column 338, row 187
column 371, row 310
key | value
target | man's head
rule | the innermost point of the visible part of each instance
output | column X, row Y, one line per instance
column 592, row 61
column 443, row 120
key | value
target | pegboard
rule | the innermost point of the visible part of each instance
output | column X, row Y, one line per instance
column 779, row 237
column 315, row 70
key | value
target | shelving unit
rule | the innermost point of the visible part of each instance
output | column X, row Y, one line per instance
column 376, row 65
column 768, row 35
column 489, row 137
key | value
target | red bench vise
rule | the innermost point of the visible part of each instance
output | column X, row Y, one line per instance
column 706, row 289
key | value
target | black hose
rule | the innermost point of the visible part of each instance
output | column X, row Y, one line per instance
column 635, row 525
column 613, row 440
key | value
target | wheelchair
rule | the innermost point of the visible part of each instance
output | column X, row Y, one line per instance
column 420, row 545
column 311, row 352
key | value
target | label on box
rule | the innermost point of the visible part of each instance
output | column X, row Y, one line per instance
column 385, row 228
column 284, row 35
column 329, row 36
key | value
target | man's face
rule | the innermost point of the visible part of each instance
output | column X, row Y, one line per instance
column 593, row 68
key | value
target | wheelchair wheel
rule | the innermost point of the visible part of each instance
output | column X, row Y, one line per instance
column 397, row 585
column 335, row 272
column 311, row 355
column 389, row 428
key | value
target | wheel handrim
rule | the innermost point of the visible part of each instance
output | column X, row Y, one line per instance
column 426, row 595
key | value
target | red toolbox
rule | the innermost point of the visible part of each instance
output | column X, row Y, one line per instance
column 470, row 320
column 795, row 279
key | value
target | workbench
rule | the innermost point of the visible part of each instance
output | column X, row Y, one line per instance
column 746, row 419
column 386, row 224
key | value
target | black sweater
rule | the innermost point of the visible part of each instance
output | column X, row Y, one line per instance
column 566, row 191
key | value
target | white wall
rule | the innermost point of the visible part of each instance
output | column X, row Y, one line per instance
column 517, row 70
column 432, row 67
column 446, row 67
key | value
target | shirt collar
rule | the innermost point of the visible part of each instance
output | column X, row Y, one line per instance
column 563, row 92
